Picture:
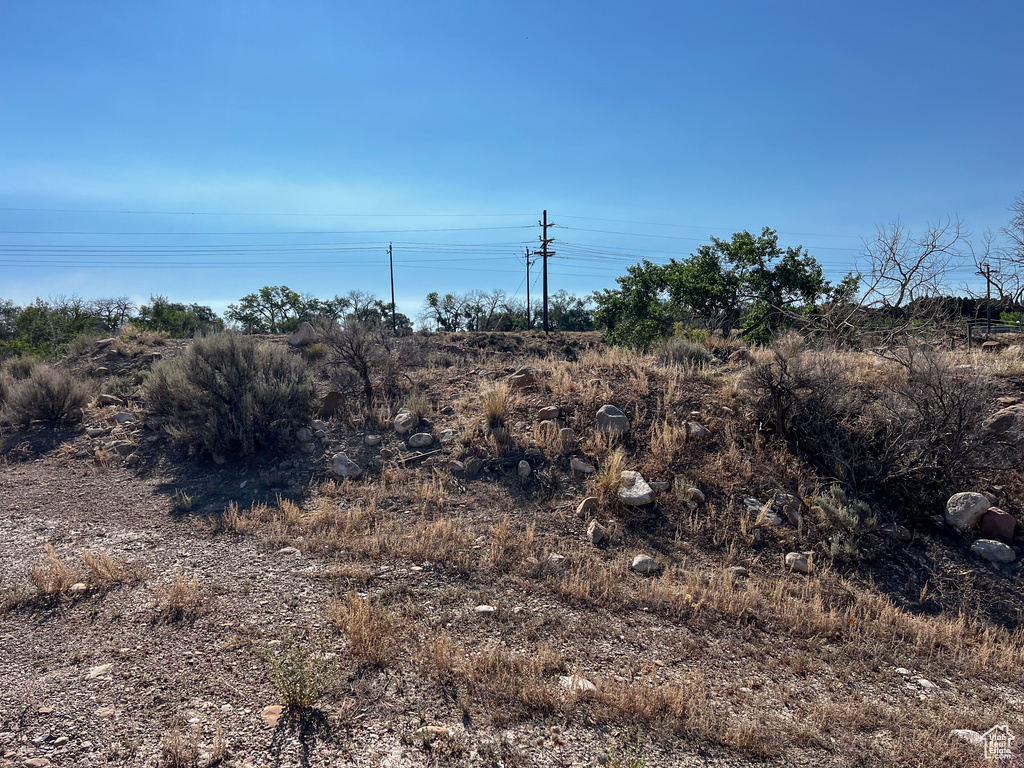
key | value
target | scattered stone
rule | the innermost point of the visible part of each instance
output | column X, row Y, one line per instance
column 611, row 419
column 154, row 423
column 406, row 422
column 318, row 425
column 121, row 447
column 79, row 588
column 96, row 431
column 429, row 732
column 1003, row 420
column 219, row 459
column 448, row 410
column 645, row 564
column 372, row 440
column 485, row 610
column 304, row 435
column 991, row 346
column 903, row 671
column 787, row 505
column 123, row 417
column 549, row 413
column 574, row 684
column 110, row 400
column 696, row 494
column 738, row 571
column 522, row 378
column 448, row 436
column 534, row 450
column 101, row 669
column 568, row 436
column 288, row 551
column 997, row 524
column 45, row 710
column 578, row 465
column 928, row 685
column 964, row 510
column 272, row 714
column 105, row 712
column 586, row 507
column 421, row 440
column 660, row 485
column 387, row 453
column 105, row 342
column 693, row 429
column 993, row 551
column 304, row 336
column 524, row 469
column 595, row 532
column 797, row 561
column 36, row 762
column 342, row 466
column 474, row 466
column 971, row 737
column 635, row 492
column 551, row 424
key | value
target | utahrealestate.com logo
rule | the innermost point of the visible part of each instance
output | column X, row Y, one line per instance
column 997, row 741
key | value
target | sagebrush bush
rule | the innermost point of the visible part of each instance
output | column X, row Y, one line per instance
column 5, row 386
column 677, row 350
column 21, row 367
column 229, row 395
column 48, row 394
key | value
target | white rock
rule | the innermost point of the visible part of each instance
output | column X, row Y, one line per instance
column 102, row 669
column 421, row 440
column 485, row 610
column 635, row 492
column 548, row 413
column 305, row 335
column 645, row 564
column 586, row 506
column 993, row 551
column 964, row 510
column 406, row 422
column 124, row 417
column 797, row 561
column 524, row 469
column 449, row 436
column 965, row 734
column 577, row 465
column 575, row 684
column 318, row 426
column 595, row 532
column 903, row 671
column 693, row 429
column 928, row 685
column 611, row 419
column 343, row 466
column 372, row 439
column 696, row 494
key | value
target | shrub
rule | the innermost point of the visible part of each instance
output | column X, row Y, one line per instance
column 48, row 394
column 301, row 673
column 21, row 367
column 847, row 519
column 498, row 401
column 677, row 350
column 228, row 395
column 5, row 386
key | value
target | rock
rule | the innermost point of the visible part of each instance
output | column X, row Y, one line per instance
column 645, row 564
column 738, row 572
column 635, row 492
column 741, row 356
column 927, row 685
column 997, row 524
column 421, row 440
column 96, row 431
column 305, row 335
column 318, row 425
column 693, row 429
column 578, row 465
column 533, row 450
column 79, row 588
column 132, row 459
column 288, row 551
column 553, row 425
column 549, row 413
column 372, row 440
column 586, row 507
column 121, row 447
column 524, row 469
column 611, row 419
column 219, row 459
column 595, row 532
column 105, row 712
column 387, row 453
column 101, row 669
column 430, row 732
column 1003, row 420
column 342, row 466
column 964, row 510
column 110, row 400
column 522, row 378
column 36, row 762
column 304, row 435
column 971, row 737
column 568, row 436
column 696, row 494
column 993, row 551
column 406, row 422
column 903, row 671
column 788, row 506
column 272, row 714
column 448, row 436
column 123, row 417
column 797, row 561
column 660, row 485
column 574, row 684
column 991, row 346
column 330, row 403
column 485, row 610
column 474, row 466
column 154, row 423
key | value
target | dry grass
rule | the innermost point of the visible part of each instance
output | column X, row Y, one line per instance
column 53, row 576
column 182, row 599
column 368, row 628
column 180, row 749
column 498, row 402
column 105, row 570
column 608, row 479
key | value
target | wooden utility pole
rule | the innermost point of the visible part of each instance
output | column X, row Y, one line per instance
column 544, row 241
column 391, row 264
column 529, row 318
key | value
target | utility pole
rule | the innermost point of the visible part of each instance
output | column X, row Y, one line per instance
column 544, row 241
column 529, row 318
column 391, row 264
column 988, row 297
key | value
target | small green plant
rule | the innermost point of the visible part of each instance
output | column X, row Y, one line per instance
column 419, row 404
column 628, row 752
column 315, row 352
column 848, row 519
column 301, row 672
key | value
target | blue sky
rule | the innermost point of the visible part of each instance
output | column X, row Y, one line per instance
column 447, row 127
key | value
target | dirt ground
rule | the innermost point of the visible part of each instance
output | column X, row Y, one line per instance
column 458, row 615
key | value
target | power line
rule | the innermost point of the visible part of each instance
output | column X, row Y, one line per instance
column 223, row 213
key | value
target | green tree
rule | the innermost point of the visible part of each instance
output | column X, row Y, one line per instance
column 178, row 320
column 271, row 309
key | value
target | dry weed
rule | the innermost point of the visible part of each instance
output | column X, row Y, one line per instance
column 53, row 576
column 183, row 598
column 180, row 749
column 368, row 628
